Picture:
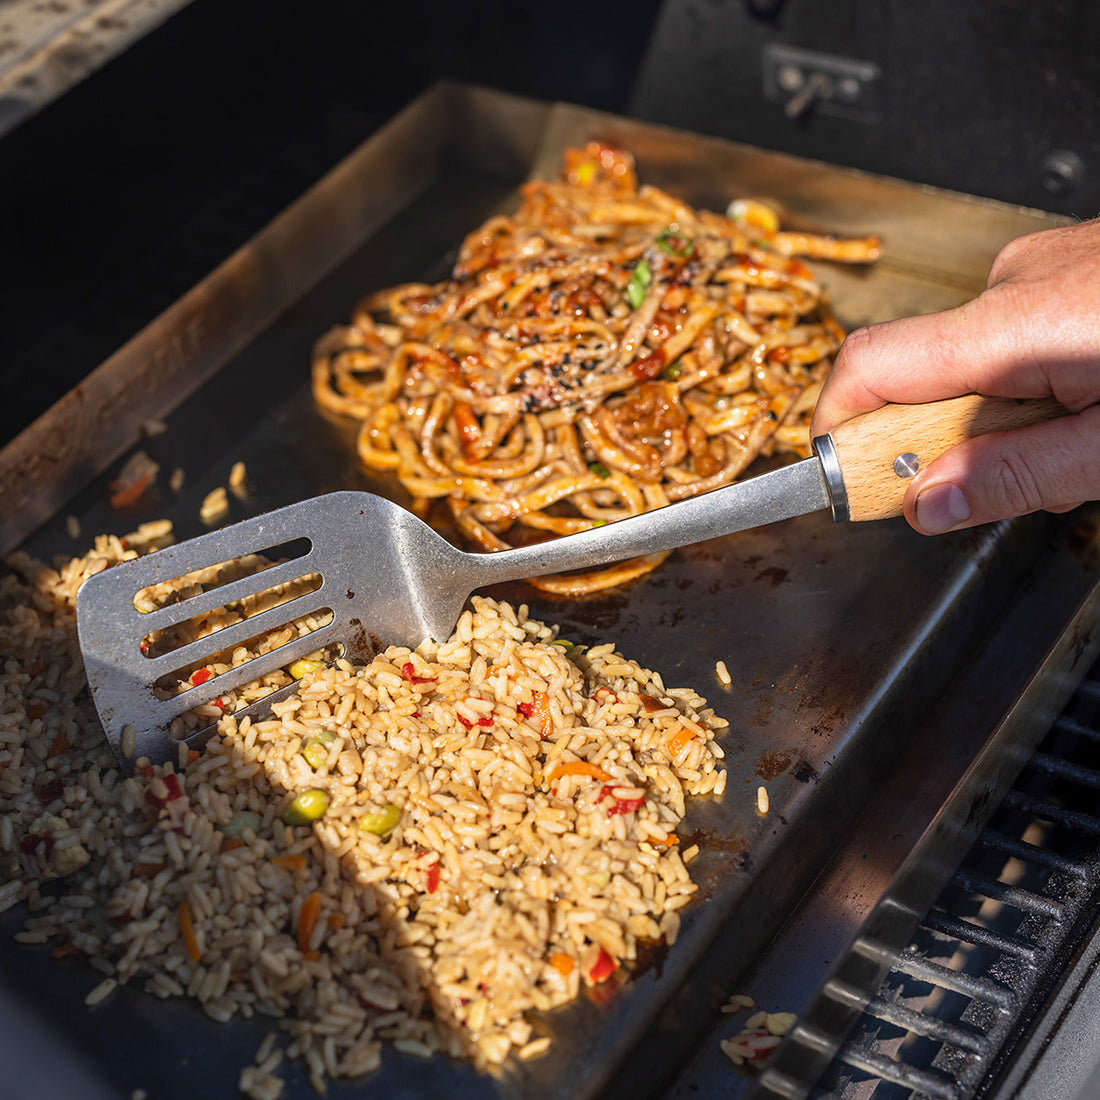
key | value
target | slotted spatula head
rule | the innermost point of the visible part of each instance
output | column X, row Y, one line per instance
column 372, row 570
column 377, row 574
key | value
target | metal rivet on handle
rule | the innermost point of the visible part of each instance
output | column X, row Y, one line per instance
column 906, row 465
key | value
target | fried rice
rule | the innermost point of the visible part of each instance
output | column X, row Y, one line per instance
column 497, row 830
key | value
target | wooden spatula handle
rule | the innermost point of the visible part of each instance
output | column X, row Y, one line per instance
column 878, row 452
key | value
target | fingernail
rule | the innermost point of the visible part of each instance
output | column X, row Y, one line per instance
column 942, row 507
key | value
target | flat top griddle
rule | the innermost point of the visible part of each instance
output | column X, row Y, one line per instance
column 839, row 638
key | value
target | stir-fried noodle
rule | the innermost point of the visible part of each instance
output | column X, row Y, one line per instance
column 604, row 351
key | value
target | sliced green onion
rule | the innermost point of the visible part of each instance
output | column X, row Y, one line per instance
column 308, row 807
column 565, row 643
column 673, row 370
column 599, row 469
column 382, row 821
column 673, row 243
column 599, row 879
column 301, row 668
column 239, row 822
column 639, row 281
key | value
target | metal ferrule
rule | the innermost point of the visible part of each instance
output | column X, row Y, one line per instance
column 834, row 480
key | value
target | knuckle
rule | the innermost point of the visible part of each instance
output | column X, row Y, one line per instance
column 1013, row 487
column 855, row 345
column 1008, row 258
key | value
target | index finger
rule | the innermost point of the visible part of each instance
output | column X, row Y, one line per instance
column 909, row 361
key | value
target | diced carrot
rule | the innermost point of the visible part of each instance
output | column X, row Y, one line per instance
column 562, row 963
column 149, row 870
column 187, row 931
column 294, row 862
column 65, row 950
column 539, row 709
column 307, row 920
column 335, row 920
column 35, row 667
column 36, row 710
column 312, row 955
column 579, row 767
column 678, row 741
column 132, row 492
column 231, row 842
column 60, row 744
column 670, row 841
column 193, row 754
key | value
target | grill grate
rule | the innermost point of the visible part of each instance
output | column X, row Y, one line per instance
column 958, row 1001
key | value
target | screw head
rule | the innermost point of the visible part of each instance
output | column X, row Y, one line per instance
column 1062, row 171
column 848, row 88
column 789, row 77
column 906, row 465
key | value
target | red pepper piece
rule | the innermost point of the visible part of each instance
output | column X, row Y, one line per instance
column 49, row 791
column 650, row 366
column 408, row 671
column 618, row 805
column 602, row 968
column 200, row 676
column 483, row 720
column 30, row 841
column 469, row 429
column 433, row 878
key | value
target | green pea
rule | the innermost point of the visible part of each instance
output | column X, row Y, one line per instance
column 298, row 669
column 380, row 822
column 309, row 806
column 315, row 748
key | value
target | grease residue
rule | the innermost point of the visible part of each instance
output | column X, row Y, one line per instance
column 774, row 763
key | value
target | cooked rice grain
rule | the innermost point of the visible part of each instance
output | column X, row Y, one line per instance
column 535, row 794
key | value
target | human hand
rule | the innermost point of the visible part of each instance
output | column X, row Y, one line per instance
column 1033, row 332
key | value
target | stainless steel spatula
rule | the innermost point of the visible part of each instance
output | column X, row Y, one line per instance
column 387, row 578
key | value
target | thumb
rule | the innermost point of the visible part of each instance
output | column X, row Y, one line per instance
column 1053, row 466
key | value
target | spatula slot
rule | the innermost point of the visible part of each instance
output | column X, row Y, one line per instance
column 232, row 665
column 209, row 623
column 175, row 590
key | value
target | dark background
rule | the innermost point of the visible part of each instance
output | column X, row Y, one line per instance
column 121, row 195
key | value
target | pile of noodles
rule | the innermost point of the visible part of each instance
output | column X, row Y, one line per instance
column 604, row 351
